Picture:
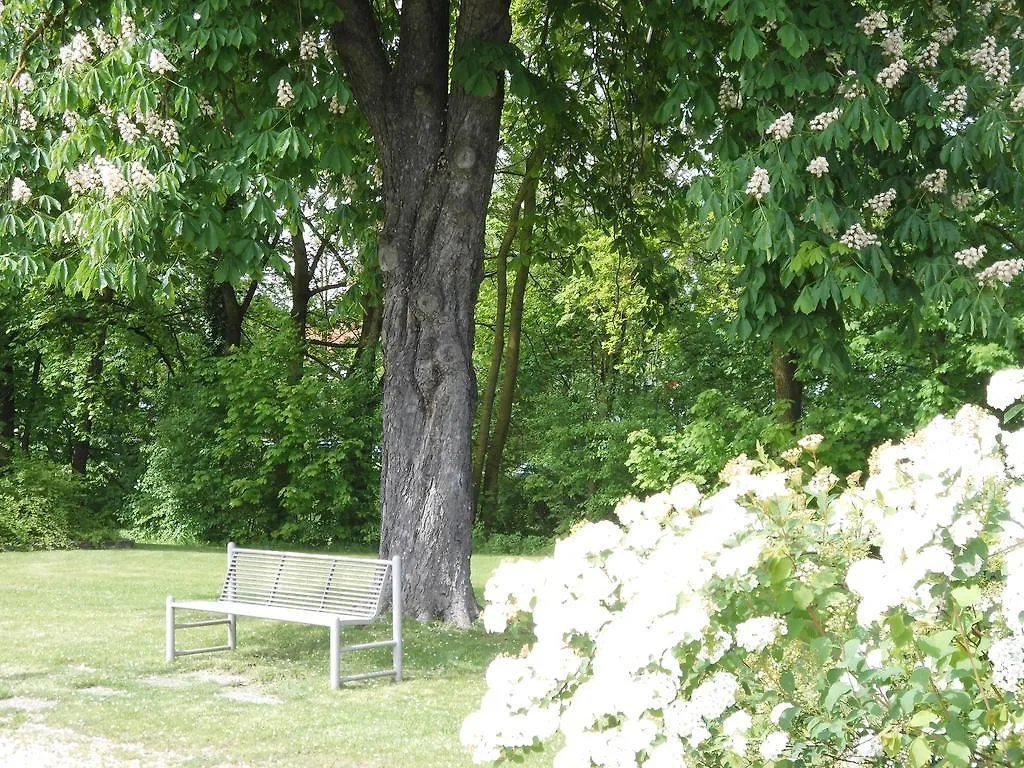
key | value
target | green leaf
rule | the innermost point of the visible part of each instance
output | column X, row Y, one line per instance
column 803, row 596
column 923, row 718
column 920, row 752
column 836, row 692
column 965, row 597
column 958, row 754
column 938, row 645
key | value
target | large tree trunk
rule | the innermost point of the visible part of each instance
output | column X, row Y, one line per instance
column 789, row 390
column 438, row 152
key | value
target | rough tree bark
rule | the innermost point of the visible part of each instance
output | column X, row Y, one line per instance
column 789, row 390
column 437, row 151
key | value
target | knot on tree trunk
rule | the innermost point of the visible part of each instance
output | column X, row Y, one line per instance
column 465, row 157
column 426, row 304
column 387, row 255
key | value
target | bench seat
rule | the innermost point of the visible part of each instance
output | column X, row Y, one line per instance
column 295, row 615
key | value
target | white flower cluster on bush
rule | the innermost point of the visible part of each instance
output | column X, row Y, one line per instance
column 880, row 625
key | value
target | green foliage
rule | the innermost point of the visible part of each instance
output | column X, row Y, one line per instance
column 42, row 506
column 715, row 430
column 241, row 454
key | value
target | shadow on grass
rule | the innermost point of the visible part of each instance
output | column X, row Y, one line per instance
column 429, row 649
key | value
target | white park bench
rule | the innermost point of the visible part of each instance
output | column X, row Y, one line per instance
column 324, row 590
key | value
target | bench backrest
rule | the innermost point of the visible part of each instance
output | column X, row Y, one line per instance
column 352, row 586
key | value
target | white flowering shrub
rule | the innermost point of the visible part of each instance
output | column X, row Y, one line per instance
column 782, row 621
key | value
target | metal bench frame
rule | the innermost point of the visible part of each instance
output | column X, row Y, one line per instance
column 323, row 590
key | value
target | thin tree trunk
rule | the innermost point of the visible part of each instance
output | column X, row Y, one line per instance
column 80, row 450
column 301, row 294
column 438, row 151
column 7, row 394
column 26, row 433
column 789, row 390
column 497, row 349
column 365, row 356
column 496, row 448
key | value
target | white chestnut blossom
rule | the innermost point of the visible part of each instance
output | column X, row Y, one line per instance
column 962, row 200
column 129, row 131
column 881, row 203
column 781, row 128
column 82, row 179
column 759, row 184
column 969, row 257
column 823, row 120
column 26, row 120
column 993, row 62
column 872, row 23
column 140, row 177
column 1017, row 104
column 851, row 89
column 70, row 120
column 285, row 95
column 78, row 51
column 159, row 64
column 946, row 35
column 935, row 181
column 818, row 166
column 169, row 134
column 20, row 192
column 891, row 75
column 336, row 107
column 1001, row 271
column 857, row 237
column 104, row 41
column 929, row 55
column 955, row 102
column 893, row 42
column 113, row 181
column 205, row 107
column 309, row 46
column 25, row 83
column 728, row 96
column 128, row 30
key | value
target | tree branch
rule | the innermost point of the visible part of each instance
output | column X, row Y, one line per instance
column 49, row 19
column 359, row 47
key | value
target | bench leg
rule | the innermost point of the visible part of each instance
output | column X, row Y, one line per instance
column 396, row 617
column 231, row 631
column 169, row 651
column 335, row 655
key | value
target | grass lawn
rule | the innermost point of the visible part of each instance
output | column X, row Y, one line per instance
column 83, row 680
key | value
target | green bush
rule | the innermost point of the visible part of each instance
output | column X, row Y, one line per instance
column 239, row 453
column 42, row 505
